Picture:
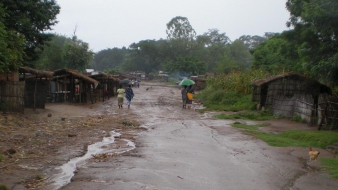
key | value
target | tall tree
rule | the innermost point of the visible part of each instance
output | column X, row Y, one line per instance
column 76, row 54
column 316, row 22
column 179, row 28
column 214, row 37
column 11, row 46
column 214, row 44
column 109, row 58
column 252, row 41
column 51, row 55
column 144, row 56
column 185, row 66
column 236, row 57
column 31, row 18
column 280, row 53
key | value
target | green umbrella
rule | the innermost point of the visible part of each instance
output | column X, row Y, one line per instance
column 186, row 82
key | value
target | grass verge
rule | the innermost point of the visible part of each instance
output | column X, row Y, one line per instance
column 320, row 139
column 249, row 115
column 330, row 165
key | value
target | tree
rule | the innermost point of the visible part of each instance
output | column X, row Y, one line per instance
column 236, row 57
column 109, row 58
column 252, row 41
column 214, row 37
column 315, row 21
column 64, row 52
column 76, row 54
column 185, row 66
column 31, row 18
column 51, row 56
column 211, row 46
column 180, row 28
column 279, row 54
column 11, row 48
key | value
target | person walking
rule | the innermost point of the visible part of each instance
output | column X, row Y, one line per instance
column 184, row 96
column 129, row 95
column 120, row 96
column 190, row 95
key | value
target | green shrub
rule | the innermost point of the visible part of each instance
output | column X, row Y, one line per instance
column 225, row 101
column 39, row 177
column 4, row 187
column 297, row 118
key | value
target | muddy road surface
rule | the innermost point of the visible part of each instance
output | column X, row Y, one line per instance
column 182, row 149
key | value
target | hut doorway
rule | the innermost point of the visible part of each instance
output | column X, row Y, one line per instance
column 315, row 113
column 264, row 94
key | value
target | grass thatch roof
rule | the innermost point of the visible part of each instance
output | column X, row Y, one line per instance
column 104, row 76
column 128, row 76
column 37, row 73
column 295, row 76
column 62, row 72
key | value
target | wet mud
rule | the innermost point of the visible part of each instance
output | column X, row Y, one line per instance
column 182, row 149
column 178, row 148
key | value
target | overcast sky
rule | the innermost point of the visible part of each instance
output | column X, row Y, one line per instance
column 116, row 23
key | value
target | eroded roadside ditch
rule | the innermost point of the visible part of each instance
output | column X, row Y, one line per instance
column 99, row 151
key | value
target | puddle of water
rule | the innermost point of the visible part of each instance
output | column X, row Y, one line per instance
column 67, row 169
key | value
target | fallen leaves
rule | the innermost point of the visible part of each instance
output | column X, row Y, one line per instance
column 104, row 157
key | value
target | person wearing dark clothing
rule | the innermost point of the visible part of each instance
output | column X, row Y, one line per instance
column 190, row 94
column 129, row 95
column 184, row 96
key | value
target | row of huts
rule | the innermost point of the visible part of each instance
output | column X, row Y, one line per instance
column 32, row 88
column 286, row 95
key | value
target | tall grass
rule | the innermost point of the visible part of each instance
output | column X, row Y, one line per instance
column 236, row 81
column 230, row 92
column 220, row 99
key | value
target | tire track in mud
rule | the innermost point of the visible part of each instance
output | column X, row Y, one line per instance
column 281, row 172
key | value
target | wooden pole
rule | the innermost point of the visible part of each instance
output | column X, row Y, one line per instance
column 65, row 86
column 36, row 82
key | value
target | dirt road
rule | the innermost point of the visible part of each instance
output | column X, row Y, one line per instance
column 182, row 149
column 173, row 148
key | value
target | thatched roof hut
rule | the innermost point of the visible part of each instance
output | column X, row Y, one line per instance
column 306, row 84
column 108, row 84
column 200, row 83
column 128, row 76
column 290, row 94
column 36, row 86
column 36, row 73
column 76, row 75
column 73, row 86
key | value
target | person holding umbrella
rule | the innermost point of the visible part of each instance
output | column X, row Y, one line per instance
column 185, row 83
column 129, row 95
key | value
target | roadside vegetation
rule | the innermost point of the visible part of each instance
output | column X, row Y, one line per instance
column 297, row 138
column 232, row 92
column 290, row 138
column 4, row 187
